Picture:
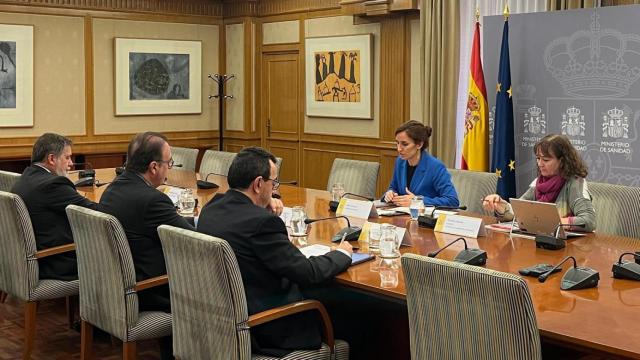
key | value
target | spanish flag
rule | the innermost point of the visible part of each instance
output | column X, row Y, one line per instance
column 475, row 148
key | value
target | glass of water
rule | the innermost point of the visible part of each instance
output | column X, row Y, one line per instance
column 187, row 203
column 389, row 245
column 298, row 226
column 416, row 207
column 375, row 232
column 337, row 191
column 388, row 270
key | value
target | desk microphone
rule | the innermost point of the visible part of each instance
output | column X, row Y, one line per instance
column 628, row 269
column 429, row 221
column 204, row 184
column 467, row 256
column 88, row 170
column 553, row 242
column 333, row 205
column 575, row 278
column 352, row 232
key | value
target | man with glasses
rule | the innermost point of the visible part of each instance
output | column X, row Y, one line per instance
column 134, row 200
column 272, row 268
column 46, row 191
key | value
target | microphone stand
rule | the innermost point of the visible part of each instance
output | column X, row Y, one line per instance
column 575, row 278
column 467, row 256
column 552, row 242
column 350, row 233
column 429, row 221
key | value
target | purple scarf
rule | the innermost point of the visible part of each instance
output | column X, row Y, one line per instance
column 548, row 188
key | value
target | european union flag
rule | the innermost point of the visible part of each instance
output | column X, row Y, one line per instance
column 503, row 156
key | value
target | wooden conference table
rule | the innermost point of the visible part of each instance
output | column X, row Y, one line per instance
column 601, row 320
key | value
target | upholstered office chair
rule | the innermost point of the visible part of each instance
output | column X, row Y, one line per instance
column 185, row 156
column 357, row 176
column 472, row 186
column 210, row 317
column 108, row 289
column 278, row 164
column 217, row 162
column 19, row 265
column 617, row 208
column 459, row 311
column 7, row 180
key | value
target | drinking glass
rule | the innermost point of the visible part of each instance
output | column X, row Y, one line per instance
column 375, row 232
column 389, row 245
column 337, row 191
column 187, row 203
column 298, row 216
column 416, row 207
column 388, row 270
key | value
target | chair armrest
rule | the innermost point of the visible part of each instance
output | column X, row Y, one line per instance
column 294, row 308
column 152, row 282
column 55, row 250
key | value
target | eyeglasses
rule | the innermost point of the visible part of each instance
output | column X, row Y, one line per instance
column 169, row 162
column 276, row 183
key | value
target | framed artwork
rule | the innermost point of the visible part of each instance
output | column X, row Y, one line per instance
column 158, row 76
column 339, row 76
column 16, row 75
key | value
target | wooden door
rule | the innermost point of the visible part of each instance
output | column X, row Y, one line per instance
column 281, row 111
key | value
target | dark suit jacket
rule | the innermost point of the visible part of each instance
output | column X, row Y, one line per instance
column 141, row 208
column 46, row 196
column 271, row 269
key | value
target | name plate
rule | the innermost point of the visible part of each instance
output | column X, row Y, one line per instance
column 460, row 225
column 357, row 208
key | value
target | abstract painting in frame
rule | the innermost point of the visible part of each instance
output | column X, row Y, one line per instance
column 339, row 76
column 16, row 75
column 158, row 76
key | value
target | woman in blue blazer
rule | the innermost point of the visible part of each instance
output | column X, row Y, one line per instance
column 418, row 173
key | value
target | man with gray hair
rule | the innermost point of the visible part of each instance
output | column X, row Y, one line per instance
column 46, row 191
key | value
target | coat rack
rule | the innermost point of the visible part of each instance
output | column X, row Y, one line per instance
column 221, row 80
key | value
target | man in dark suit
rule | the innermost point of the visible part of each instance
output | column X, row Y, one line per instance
column 134, row 200
column 46, row 191
column 271, row 267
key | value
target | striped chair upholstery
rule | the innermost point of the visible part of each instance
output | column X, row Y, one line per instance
column 107, row 279
column 617, row 208
column 209, row 307
column 278, row 164
column 7, row 180
column 472, row 186
column 217, row 162
column 185, row 156
column 19, row 265
column 458, row 311
column 357, row 176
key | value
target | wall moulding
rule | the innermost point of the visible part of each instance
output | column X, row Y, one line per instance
column 182, row 7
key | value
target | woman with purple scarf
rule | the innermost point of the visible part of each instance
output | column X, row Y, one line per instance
column 561, row 180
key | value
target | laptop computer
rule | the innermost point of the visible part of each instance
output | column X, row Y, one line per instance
column 535, row 217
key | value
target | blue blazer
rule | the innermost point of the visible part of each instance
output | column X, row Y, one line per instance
column 431, row 180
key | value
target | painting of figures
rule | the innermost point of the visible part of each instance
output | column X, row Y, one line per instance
column 16, row 75
column 339, row 81
column 339, row 76
column 7, row 74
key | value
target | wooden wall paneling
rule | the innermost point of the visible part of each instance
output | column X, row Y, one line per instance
column 393, row 91
column 88, row 78
column 275, row 7
column 317, row 159
column 289, row 151
column 387, row 162
column 100, row 161
column 281, row 95
column 235, row 145
column 248, row 76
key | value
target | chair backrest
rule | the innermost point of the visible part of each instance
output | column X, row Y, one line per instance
column 208, row 302
column 18, row 264
column 7, row 180
column 357, row 176
column 472, row 186
column 185, row 156
column 278, row 164
column 217, row 162
column 459, row 311
column 617, row 208
column 105, row 270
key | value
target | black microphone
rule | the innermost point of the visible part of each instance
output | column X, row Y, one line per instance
column 627, row 270
column 430, row 221
column 553, row 242
column 88, row 170
column 333, row 205
column 352, row 232
column 467, row 256
column 204, row 184
column 575, row 278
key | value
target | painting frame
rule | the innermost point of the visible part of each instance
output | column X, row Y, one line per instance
column 19, row 112
column 124, row 51
column 361, row 43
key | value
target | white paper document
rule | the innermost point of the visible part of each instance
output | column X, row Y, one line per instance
column 314, row 250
